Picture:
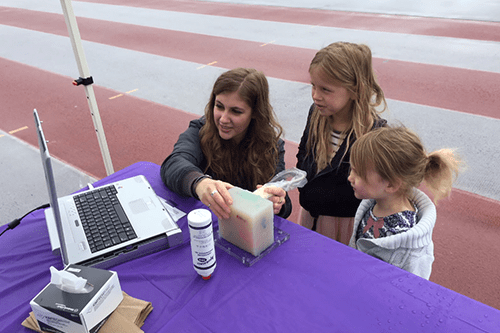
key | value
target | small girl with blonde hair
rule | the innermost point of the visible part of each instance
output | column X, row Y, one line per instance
column 394, row 222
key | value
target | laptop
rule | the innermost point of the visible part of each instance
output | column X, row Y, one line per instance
column 107, row 225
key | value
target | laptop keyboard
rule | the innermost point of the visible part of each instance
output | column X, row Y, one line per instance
column 103, row 218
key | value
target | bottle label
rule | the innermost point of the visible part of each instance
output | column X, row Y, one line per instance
column 202, row 247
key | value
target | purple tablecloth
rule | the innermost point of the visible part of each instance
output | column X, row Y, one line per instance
column 308, row 284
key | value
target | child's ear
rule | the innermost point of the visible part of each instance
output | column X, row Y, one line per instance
column 394, row 186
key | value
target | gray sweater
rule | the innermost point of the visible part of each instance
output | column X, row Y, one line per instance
column 412, row 250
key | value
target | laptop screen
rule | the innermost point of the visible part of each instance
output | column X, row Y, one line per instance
column 49, row 178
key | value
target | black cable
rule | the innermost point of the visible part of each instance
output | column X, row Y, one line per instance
column 16, row 222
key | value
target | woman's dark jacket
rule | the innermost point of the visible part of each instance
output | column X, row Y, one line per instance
column 187, row 162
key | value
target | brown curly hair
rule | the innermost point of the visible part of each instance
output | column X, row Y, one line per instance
column 253, row 160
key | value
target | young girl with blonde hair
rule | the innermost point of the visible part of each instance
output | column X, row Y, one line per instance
column 394, row 222
column 347, row 102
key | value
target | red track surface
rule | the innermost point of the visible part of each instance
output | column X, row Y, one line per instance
column 468, row 227
column 349, row 20
column 416, row 82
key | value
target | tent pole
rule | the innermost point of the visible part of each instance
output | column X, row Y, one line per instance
column 86, row 80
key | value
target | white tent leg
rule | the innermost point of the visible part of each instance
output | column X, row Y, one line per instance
column 76, row 42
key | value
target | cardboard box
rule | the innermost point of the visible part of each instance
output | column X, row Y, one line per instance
column 61, row 311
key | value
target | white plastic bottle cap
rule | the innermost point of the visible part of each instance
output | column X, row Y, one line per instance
column 199, row 218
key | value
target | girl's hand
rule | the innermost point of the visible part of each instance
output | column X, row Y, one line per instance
column 274, row 194
column 214, row 194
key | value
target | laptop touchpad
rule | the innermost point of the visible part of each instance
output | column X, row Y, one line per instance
column 141, row 205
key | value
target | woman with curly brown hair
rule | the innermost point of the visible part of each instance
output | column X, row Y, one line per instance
column 236, row 143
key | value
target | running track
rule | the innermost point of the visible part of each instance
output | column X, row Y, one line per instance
column 154, row 65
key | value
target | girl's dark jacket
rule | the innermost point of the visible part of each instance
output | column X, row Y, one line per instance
column 328, row 192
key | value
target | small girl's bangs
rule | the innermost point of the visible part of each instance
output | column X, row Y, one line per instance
column 359, row 158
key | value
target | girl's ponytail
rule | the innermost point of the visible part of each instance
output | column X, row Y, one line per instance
column 441, row 171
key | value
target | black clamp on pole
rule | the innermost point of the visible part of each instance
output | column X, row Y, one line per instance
column 84, row 81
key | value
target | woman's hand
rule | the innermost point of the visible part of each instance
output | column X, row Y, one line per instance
column 214, row 194
column 274, row 194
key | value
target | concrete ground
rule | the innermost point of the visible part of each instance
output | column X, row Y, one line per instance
column 154, row 63
column 22, row 174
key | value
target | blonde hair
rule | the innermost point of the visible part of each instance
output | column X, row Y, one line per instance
column 349, row 65
column 397, row 154
column 254, row 160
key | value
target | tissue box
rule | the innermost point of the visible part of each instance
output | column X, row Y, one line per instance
column 250, row 225
column 61, row 311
